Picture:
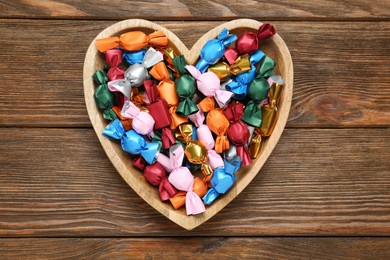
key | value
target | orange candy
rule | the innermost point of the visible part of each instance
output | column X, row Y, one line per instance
column 166, row 88
column 133, row 41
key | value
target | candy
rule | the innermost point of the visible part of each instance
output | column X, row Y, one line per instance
column 223, row 179
column 223, row 70
column 185, row 88
column 209, row 84
column 269, row 111
column 132, row 142
column 238, row 132
column 114, row 60
column 166, row 87
column 104, row 98
column 143, row 122
column 158, row 109
column 134, row 57
column 214, row 49
column 133, row 41
column 155, row 175
column 182, row 179
column 258, row 91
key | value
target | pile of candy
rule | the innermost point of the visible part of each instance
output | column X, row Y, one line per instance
column 174, row 117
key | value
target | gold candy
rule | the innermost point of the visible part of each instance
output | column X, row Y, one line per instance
column 223, row 70
column 255, row 144
column 183, row 133
column 196, row 153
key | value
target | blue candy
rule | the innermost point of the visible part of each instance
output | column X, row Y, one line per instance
column 132, row 142
column 214, row 49
column 223, row 179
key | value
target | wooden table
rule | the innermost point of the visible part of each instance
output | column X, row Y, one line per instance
column 324, row 193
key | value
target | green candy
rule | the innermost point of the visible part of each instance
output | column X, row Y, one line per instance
column 258, row 91
column 185, row 88
column 104, row 98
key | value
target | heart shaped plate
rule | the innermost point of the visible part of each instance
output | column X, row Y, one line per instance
column 274, row 48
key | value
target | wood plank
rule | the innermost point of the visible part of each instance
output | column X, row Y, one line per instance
column 58, row 182
column 199, row 10
column 341, row 71
column 197, row 248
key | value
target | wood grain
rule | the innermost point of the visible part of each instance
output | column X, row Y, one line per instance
column 196, row 248
column 196, row 10
column 340, row 68
column 274, row 47
column 59, row 182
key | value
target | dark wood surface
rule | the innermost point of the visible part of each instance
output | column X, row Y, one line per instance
column 329, row 176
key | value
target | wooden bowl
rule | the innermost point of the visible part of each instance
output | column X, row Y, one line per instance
column 275, row 48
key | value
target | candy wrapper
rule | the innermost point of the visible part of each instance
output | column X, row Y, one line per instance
column 166, row 87
column 132, row 142
column 143, row 122
column 155, row 175
column 185, row 88
column 104, row 98
column 133, row 41
column 270, row 111
column 224, row 70
column 249, row 42
column 214, row 49
column 238, row 132
column 258, row 91
column 114, row 60
column 158, row 109
column 182, row 179
column 223, row 179
column 209, row 84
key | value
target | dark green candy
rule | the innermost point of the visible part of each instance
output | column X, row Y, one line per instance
column 258, row 91
column 185, row 89
column 104, row 98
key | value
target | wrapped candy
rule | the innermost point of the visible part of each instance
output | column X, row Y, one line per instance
column 126, row 122
column 238, row 132
column 176, row 119
column 206, row 138
column 182, row 179
column 199, row 187
column 217, row 123
column 185, row 88
column 270, row 111
column 135, row 74
column 258, row 91
column 132, row 142
column 158, row 109
column 223, row 70
column 114, row 60
column 223, row 179
column 214, row 49
column 155, row 175
column 239, row 85
column 185, row 132
column 104, row 98
column 166, row 87
column 143, row 122
column 209, row 84
column 255, row 144
column 249, row 42
column 134, row 57
column 196, row 154
column 133, row 41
